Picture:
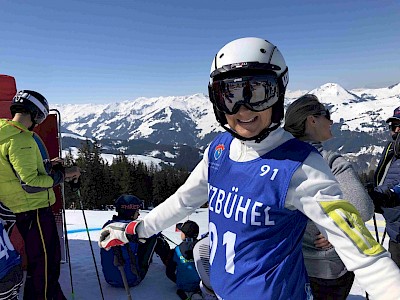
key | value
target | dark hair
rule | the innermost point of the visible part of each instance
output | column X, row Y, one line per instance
column 190, row 229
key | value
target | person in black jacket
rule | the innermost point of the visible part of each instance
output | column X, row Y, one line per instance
column 386, row 191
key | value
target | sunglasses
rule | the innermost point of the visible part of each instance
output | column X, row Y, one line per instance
column 257, row 93
column 393, row 127
column 324, row 113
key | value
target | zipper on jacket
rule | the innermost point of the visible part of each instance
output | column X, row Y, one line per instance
column 242, row 151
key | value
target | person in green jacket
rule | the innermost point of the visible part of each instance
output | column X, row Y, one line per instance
column 26, row 188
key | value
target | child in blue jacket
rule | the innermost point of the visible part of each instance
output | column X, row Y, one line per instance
column 181, row 267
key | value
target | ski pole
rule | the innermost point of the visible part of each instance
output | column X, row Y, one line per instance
column 376, row 229
column 169, row 240
column 383, row 237
column 68, row 253
column 75, row 187
column 119, row 263
column 123, row 275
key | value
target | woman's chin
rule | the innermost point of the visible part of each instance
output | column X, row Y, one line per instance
column 248, row 134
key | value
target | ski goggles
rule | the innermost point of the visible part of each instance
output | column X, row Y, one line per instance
column 393, row 126
column 257, row 93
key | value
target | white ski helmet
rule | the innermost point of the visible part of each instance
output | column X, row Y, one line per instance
column 260, row 67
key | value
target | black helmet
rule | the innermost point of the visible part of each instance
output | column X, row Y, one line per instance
column 30, row 102
column 190, row 229
column 127, row 205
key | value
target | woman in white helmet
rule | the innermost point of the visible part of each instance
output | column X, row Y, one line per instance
column 262, row 185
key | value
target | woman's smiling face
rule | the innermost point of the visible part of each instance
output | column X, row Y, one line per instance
column 248, row 123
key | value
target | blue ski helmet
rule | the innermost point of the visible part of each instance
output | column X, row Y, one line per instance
column 127, row 205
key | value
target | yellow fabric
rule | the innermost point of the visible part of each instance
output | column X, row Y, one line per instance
column 19, row 152
column 347, row 218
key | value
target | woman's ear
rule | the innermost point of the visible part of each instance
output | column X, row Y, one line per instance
column 310, row 126
column 311, row 119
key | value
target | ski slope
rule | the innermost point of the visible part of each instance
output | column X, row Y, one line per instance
column 156, row 285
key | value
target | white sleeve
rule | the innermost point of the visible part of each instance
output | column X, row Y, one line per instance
column 191, row 195
column 314, row 191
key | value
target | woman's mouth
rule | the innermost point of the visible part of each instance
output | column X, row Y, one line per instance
column 247, row 121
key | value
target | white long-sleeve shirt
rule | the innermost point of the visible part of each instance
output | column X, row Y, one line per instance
column 314, row 191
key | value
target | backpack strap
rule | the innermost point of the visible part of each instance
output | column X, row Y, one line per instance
column 132, row 259
column 118, row 258
column 145, row 254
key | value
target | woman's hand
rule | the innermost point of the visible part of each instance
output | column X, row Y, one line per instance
column 322, row 242
column 57, row 161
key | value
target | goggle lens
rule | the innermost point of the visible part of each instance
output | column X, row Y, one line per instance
column 257, row 93
column 393, row 127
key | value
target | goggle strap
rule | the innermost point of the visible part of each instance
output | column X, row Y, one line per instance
column 284, row 79
column 249, row 66
column 258, row 138
column 34, row 100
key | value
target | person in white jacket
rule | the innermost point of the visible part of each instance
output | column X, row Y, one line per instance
column 262, row 185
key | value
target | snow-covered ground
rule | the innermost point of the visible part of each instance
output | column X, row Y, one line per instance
column 155, row 286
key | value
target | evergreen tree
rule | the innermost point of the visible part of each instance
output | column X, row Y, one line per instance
column 93, row 179
column 102, row 183
column 70, row 197
column 166, row 182
column 120, row 170
column 159, row 187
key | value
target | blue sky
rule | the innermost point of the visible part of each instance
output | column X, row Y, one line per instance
column 96, row 51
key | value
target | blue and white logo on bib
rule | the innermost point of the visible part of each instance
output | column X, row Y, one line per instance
column 218, row 151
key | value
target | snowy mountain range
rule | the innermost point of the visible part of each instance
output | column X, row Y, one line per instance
column 167, row 123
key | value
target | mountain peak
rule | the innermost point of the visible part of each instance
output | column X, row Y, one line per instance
column 394, row 86
column 190, row 119
column 334, row 93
